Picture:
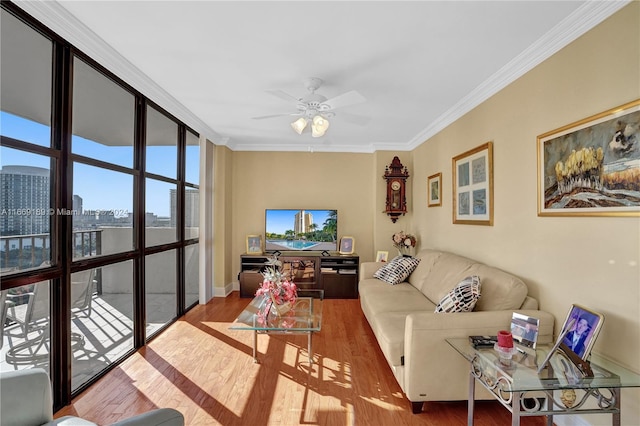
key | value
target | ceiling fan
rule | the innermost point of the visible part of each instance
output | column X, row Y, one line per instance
column 314, row 108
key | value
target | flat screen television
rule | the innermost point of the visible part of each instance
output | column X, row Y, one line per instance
column 311, row 230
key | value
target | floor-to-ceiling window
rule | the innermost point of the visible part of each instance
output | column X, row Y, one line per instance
column 104, row 175
column 28, row 163
column 99, row 201
column 161, row 218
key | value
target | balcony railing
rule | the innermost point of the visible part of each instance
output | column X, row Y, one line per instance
column 18, row 252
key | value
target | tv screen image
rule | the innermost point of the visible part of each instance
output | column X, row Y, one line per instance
column 288, row 229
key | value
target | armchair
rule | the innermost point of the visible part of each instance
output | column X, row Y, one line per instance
column 26, row 400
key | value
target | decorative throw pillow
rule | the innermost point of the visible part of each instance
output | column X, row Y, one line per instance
column 398, row 270
column 462, row 298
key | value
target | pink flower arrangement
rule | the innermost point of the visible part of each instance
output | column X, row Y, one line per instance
column 282, row 292
column 403, row 241
column 279, row 288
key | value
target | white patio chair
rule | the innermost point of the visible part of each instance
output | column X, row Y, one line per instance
column 82, row 291
column 34, row 315
column 31, row 316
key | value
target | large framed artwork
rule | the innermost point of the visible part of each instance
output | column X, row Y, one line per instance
column 592, row 167
column 473, row 186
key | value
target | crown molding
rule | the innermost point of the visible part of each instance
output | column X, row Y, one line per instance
column 61, row 21
column 303, row 147
column 569, row 29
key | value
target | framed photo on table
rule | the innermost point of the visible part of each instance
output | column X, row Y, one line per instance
column 524, row 329
column 577, row 336
column 582, row 327
column 347, row 245
column 254, row 244
column 592, row 167
column 382, row 256
column 434, row 190
column 473, row 186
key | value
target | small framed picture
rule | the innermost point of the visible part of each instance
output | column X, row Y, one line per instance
column 524, row 330
column 581, row 329
column 254, row 244
column 382, row 256
column 434, row 190
column 346, row 245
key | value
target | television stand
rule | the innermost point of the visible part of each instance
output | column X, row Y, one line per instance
column 336, row 274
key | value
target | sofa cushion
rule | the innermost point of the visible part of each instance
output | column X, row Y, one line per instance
column 389, row 332
column 378, row 297
column 427, row 257
column 500, row 290
column 386, row 308
column 398, row 270
column 447, row 271
column 462, row 298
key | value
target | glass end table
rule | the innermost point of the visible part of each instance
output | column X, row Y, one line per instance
column 558, row 389
column 304, row 317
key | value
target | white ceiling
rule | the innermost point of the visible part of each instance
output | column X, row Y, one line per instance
column 420, row 64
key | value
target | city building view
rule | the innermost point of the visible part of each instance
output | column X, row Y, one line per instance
column 303, row 220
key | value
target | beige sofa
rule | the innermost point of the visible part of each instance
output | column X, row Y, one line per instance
column 412, row 336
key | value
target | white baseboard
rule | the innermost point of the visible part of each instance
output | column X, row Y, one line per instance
column 226, row 290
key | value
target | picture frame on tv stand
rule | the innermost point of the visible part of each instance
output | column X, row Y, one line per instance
column 254, row 244
column 347, row 245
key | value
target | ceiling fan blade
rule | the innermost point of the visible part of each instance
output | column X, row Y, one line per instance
column 360, row 120
column 349, row 98
column 283, row 95
column 275, row 115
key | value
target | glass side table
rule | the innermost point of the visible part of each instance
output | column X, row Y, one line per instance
column 556, row 390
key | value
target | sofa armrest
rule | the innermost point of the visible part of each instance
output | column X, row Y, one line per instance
column 426, row 376
column 157, row 417
column 26, row 397
column 367, row 269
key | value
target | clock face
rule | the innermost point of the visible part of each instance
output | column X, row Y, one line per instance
column 395, row 185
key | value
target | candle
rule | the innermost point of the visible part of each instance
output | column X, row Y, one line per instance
column 505, row 339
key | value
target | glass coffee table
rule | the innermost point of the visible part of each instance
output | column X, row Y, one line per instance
column 556, row 390
column 304, row 317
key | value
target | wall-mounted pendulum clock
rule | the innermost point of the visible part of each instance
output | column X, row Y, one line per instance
column 396, row 176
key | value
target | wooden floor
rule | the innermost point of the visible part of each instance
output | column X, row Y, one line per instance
column 206, row 371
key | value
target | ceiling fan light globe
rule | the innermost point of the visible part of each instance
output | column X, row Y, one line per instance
column 319, row 126
column 299, row 125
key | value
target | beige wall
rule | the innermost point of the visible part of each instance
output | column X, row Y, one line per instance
column 262, row 180
column 254, row 181
column 590, row 261
column 595, row 261
column 223, row 221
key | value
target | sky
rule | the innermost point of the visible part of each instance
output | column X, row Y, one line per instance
column 101, row 189
column 279, row 221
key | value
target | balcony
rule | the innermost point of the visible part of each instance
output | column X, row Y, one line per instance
column 102, row 304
